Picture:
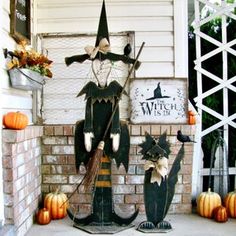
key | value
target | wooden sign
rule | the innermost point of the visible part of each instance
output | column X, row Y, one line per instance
column 159, row 101
column 20, row 20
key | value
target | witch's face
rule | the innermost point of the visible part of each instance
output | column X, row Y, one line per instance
column 101, row 71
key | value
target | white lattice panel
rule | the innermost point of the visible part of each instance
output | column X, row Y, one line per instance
column 224, row 11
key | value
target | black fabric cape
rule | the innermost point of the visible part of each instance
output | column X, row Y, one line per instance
column 99, row 106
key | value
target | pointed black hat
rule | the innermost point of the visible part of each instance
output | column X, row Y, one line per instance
column 101, row 34
column 102, row 27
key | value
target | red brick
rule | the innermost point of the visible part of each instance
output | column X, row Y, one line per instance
column 7, row 162
column 186, row 198
column 84, row 209
column 155, row 129
column 134, row 199
column 187, row 179
column 124, row 189
column 139, row 189
column 118, row 179
column 7, row 175
column 182, row 208
column 135, row 130
column 63, row 149
column 135, row 159
column 186, row 169
column 165, row 128
column 174, row 129
column 7, row 187
column 71, row 140
column 58, row 130
column 118, row 198
column 68, row 130
column 54, row 179
column 81, row 198
column 48, row 130
column 125, row 209
column 45, row 188
column 46, row 150
column 134, row 179
column 145, row 128
column 50, row 159
column 45, row 169
column 71, row 159
column 133, row 150
column 186, row 129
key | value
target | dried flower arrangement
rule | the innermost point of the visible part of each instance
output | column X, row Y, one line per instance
column 26, row 57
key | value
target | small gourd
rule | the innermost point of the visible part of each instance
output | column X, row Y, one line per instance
column 220, row 214
column 43, row 216
column 57, row 204
column 207, row 202
column 191, row 118
column 15, row 120
column 230, row 203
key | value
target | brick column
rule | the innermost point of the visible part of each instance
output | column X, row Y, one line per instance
column 21, row 176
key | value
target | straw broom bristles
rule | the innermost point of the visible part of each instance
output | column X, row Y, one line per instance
column 93, row 166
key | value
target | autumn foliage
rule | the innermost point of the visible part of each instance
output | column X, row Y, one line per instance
column 26, row 57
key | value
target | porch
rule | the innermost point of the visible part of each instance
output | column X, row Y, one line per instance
column 183, row 224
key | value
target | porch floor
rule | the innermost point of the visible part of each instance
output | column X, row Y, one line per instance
column 184, row 225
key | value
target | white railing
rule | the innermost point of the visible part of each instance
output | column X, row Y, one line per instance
column 223, row 10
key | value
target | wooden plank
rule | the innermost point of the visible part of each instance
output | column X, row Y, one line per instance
column 96, row 3
column 154, row 39
column 115, row 24
column 70, row 116
column 157, row 54
column 161, row 69
column 11, row 101
column 113, row 10
column 65, row 40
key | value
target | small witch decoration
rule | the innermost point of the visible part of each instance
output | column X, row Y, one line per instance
column 101, row 136
column 159, row 183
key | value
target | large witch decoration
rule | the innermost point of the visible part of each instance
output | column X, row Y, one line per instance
column 102, row 136
column 159, row 184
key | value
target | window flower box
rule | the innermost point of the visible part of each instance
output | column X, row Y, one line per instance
column 28, row 69
column 26, row 79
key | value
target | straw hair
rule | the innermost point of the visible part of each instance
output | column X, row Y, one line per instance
column 93, row 166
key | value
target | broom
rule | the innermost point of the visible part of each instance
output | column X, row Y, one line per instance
column 94, row 161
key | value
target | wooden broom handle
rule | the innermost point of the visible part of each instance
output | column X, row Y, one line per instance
column 122, row 91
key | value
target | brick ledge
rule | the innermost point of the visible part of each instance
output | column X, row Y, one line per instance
column 16, row 136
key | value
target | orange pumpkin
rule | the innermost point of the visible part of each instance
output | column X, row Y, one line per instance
column 230, row 203
column 15, row 120
column 57, row 204
column 43, row 216
column 220, row 214
column 207, row 202
column 191, row 118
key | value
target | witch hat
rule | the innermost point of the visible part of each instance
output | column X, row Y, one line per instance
column 101, row 50
column 157, row 93
column 102, row 27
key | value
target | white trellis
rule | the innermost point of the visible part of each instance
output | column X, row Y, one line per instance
column 224, row 11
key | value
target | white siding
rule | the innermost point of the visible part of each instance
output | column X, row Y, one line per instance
column 151, row 20
column 11, row 99
column 161, row 24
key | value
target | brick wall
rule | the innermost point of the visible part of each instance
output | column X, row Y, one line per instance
column 58, row 168
column 21, row 176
